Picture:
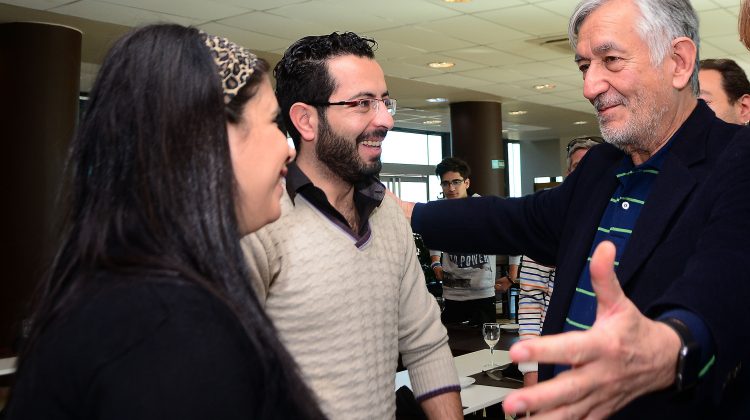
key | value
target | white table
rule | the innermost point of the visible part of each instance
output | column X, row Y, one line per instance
column 7, row 366
column 473, row 397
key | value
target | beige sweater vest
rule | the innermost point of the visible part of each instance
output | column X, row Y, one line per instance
column 345, row 313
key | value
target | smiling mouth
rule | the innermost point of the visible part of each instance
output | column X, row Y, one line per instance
column 372, row 143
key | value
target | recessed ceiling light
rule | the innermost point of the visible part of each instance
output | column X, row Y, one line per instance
column 545, row 86
column 437, row 100
column 441, row 64
column 432, row 122
column 517, row 112
column 457, row 1
column 580, row 122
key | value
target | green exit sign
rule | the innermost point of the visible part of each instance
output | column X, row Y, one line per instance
column 498, row 164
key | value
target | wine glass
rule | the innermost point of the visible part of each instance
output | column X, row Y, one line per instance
column 491, row 334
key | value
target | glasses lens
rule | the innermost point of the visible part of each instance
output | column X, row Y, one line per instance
column 365, row 105
column 390, row 104
column 453, row 182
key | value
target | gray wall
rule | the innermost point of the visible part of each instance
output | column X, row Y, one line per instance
column 540, row 158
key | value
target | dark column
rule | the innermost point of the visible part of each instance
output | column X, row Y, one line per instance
column 476, row 134
column 39, row 77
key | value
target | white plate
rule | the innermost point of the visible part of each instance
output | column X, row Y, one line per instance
column 509, row 327
column 466, row 381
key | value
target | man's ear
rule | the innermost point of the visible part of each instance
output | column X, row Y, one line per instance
column 468, row 183
column 683, row 56
column 744, row 104
column 305, row 120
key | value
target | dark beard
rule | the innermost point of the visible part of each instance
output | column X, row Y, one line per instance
column 340, row 155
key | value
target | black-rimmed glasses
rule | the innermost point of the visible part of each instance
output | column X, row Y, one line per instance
column 453, row 182
column 365, row 105
column 582, row 140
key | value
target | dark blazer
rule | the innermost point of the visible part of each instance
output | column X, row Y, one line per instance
column 686, row 251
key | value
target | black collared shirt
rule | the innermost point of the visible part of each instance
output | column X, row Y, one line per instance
column 368, row 194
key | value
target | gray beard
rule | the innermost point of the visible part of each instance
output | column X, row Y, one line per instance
column 340, row 155
column 638, row 135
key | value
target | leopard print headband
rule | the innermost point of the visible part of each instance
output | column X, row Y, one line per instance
column 235, row 63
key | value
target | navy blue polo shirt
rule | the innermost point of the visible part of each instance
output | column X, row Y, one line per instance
column 616, row 226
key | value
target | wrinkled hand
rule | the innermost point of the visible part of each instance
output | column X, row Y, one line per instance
column 624, row 355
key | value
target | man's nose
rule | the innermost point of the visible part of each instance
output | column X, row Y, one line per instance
column 383, row 118
column 594, row 81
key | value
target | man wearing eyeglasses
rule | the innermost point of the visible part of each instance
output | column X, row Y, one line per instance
column 338, row 272
column 468, row 279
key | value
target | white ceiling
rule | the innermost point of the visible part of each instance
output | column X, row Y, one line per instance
column 496, row 45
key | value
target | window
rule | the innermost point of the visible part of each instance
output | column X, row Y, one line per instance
column 412, row 148
column 514, row 169
column 409, row 160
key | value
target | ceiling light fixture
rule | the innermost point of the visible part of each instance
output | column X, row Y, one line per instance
column 457, row 1
column 437, row 100
column 441, row 64
column 517, row 112
column 432, row 122
column 546, row 86
column 580, row 122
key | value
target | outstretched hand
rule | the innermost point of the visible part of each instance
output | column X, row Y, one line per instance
column 623, row 355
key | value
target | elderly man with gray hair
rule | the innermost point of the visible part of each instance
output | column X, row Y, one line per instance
column 647, row 234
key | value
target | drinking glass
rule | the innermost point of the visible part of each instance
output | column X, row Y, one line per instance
column 491, row 334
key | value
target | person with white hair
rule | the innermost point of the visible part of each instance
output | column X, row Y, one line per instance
column 648, row 235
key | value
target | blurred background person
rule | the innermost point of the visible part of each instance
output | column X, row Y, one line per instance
column 468, row 279
column 577, row 149
column 538, row 280
column 725, row 88
column 147, row 312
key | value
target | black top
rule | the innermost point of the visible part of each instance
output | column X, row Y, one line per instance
column 154, row 348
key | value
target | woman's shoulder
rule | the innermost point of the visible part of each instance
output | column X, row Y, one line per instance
column 129, row 310
column 157, row 340
column 131, row 317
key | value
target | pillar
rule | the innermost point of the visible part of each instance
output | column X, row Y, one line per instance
column 39, row 77
column 476, row 136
